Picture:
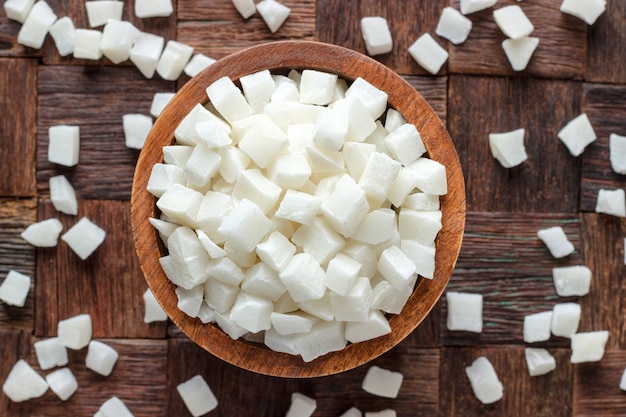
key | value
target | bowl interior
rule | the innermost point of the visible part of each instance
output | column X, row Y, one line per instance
column 349, row 65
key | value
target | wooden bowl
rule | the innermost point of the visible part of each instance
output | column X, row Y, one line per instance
column 348, row 65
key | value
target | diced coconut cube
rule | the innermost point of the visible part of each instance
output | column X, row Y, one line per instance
column 565, row 319
column 586, row 10
column 24, row 383
column 396, row 267
column 513, row 22
column 163, row 177
column 225, row 270
column 101, row 358
column 472, row 6
column 317, row 87
column 50, row 353
column 588, row 346
column 201, row 166
column 393, row 120
column 279, row 343
column 363, row 254
column 321, row 308
column 285, row 91
column 622, row 382
column 35, row 28
column 577, row 134
column 63, row 145
column 421, row 226
column 186, row 132
column 423, row 256
column 301, row 406
column 75, row 332
column 229, row 327
column 382, row 382
column 159, row 101
column 15, row 288
column 252, row 312
column 228, row 100
column 84, row 237
column 254, row 186
column 537, row 327
column 539, row 361
column 303, row 264
column 373, row 98
column 173, row 60
column 429, row 176
column 211, row 247
column 263, row 142
column 376, row 35
column 43, row 234
column 617, row 149
column 612, row 202
column 484, row 381
column 324, row 337
column 375, row 326
column 556, row 241
column 257, row 89
column 63, row 383
column 572, row 280
column 263, row 281
column 356, row 155
column 331, row 128
column 377, row 226
column 292, row 323
column 422, row 202
column 519, row 51
column 117, row 40
column 246, row 8
column 152, row 309
column 355, row 304
column 87, row 43
column 428, row 53
column 245, row 226
column 164, row 227
column 401, row 187
column 212, row 135
column 153, row 8
column 405, row 144
column 18, row 10
column 180, row 204
column 276, row 251
column 290, row 171
column 388, row 412
column 190, row 300
column 508, row 147
column 341, row 273
column 146, row 52
column 345, row 206
column 453, row 26
column 378, row 174
column 114, row 407
column 323, row 160
column 465, row 311
column 62, row 195
column 197, row 396
column 206, row 314
column 319, row 240
column 213, row 208
column 100, row 11
column 136, row 129
column 220, row 296
column 187, row 263
column 63, row 33
column 273, row 13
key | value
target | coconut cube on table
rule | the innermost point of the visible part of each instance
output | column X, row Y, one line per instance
column 75, row 332
column 99, row 12
column 63, row 144
column 465, row 311
column 453, row 26
column 153, row 8
column 537, row 327
column 18, row 10
column 484, row 381
column 565, row 319
column 622, row 382
column 612, row 202
column 63, row 33
column 62, row 195
column 152, row 309
column 136, row 129
column 84, row 237
column 539, row 361
column 428, row 53
column 273, row 13
column 556, row 241
column 588, row 346
column 352, row 412
column 63, row 383
column 508, row 147
column 117, row 40
column 473, row 6
column 577, row 134
column 376, row 35
column 159, row 101
column 519, row 51
column 301, row 406
column 113, row 407
column 617, row 149
column 23, row 383
column 37, row 24
column 101, row 358
column 50, row 353
column 513, row 22
column 572, row 280
column 246, row 8
column 197, row 395
column 87, row 44
column 382, row 382
column 146, row 52
column 14, row 289
column 586, row 10
column 43, row 234
column 173, row 60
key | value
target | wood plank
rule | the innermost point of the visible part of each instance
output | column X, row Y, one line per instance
column 605, row 39
column 95, row 99
column 338, row 22
column 506, row 104
column 544, row 395
column 15, row 253
column 18, row 80
column 561, row 52
column 502, row 259
column 596, row 386
column 108, row 285
column 15, row 345
column 605, row 105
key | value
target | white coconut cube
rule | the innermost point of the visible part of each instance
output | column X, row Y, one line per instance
column 323, row 160
column 273, row 13
column 254, row 186
column 50, row 353
column 229, row 327
column 465, row 311
column 43, row 234
column 101, row 358
column 136, row 129
column 176, row 266
column 202, row 166
column 376, row 35
column 153, row 311
column 405, row 144
column 513, row 22
column 355, row 305
column 519, row 51
column 117, row 40
column 378, row 226
column 173, row 60
column 153, row 8
column 214, row 250
column 319, row 240
column 378, row 174
column 35, row 28
column 356, row 155
column 113, row 407
column 422, row 202
column 75, row 332
column 187, row 132
column 99, row 12
column 375, row 326
column 63, row 383
column 63, row 33
column 401, row 187
column 324, row 337
column 84, row 237
column 225, row 270
column 220, row 296
column 331, row 128
column 453, row 26
column 622, row 382
column 245, row 226
column 588, row 346
column 473, row 6
column 276, row 251
column 341, row 273
column 246, row 8
column 291, row 171
column 572, row 280
column 428, row 53
column 387, row 299
column 23, row 383
column 382, row 382
column 263, row 281
column 617, row 150
column 18, row 10
column 62, row 195
column 422, row 256
column 586, row 10
column 228, row 100
column 363, row 254
column 278, row 342
column 577, row 134
column 611, row 202
column 63, row 144
column 301, row 406
column 421, row 226
column 252, row 312
column 291, row 323
column 429, row 175
column 15, row 288
column 396, row 267
column 285, row 92
column 539, row 361
column 537, row 327
column 197, row 63
column 212, row 210
column 565, row 319
column 146, row 52
column 190, row 300
column 206, row 314
column 164, row 227
column 484, row 381
column 556, row 241
column 234, row 162
column 321, row 308
column 393, row 120
column 87, row 44
column 345, row 206
column 180, row 204
column 197, row 396
column 257, row 89
column 163, row 177
column 508, row 147
column 263, row 142
column 317, row 87
column 373, row 98
column 312, row 288
column 352, row 412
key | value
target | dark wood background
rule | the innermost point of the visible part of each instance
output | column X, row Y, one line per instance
column 576, row 68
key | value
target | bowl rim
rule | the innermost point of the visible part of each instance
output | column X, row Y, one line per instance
column 348, row 64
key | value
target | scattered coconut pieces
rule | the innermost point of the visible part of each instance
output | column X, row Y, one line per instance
column 382, row 382
column 198, row 63
column 159, row 101
column 508, row 147
column 118, row 37
column 376, row 35
column 577, row 134
column 146, row 52
column 586, row 10
column 453, row 26
column 473, row 6
column 484, row 381
column 63, row 383
column 62, row 195
column 50, row 353
column 588, row 346
column 539, row 361
column 101, row 358
column 64, row 144
column 100, row 11
column 14, row 289
column 572, row 280
column 43, row 234
column 24, row 383
column 197, row 396
column 153, row 310
column 565, row 319
column 513, row 22
column 75, row 332
column 87, row 44
column 246, row 8
column 136, row 129
column 617, row 149
column 84, row 237
column 611, row 202
column 465, row 311
column 37, row 24
column 519, row 51
column 273, row 13
column 556, row 241
column 537, row 327
column 173, row 60
column 153, row 8
column 428, row 53
column 18, row 10
column 301, row 406
column 63, row 33
column 113, row 407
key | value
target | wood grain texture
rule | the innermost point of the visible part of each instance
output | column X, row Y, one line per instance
column 15, row 345
column 549, row 180
column 18, row 80
column 605, row 46
column 108, row 285
column 562, row 43
column 596, row 386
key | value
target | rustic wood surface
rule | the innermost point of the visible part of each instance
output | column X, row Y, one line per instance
column 576, row 68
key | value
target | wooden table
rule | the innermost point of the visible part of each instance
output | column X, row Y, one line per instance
column 577, row 68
